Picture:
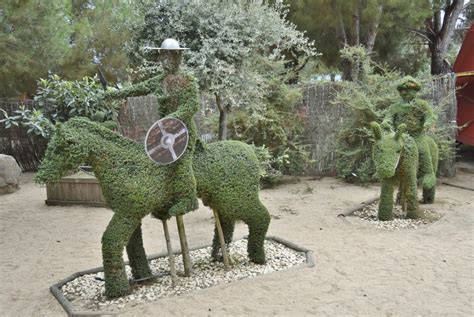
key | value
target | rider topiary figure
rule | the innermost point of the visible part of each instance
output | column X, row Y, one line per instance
column 220, row 166
column 178, row 97
column 418, row 117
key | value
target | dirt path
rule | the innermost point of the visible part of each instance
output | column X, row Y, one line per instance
column 360, row 270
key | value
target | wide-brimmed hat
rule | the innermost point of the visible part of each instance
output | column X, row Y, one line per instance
column 169, row 45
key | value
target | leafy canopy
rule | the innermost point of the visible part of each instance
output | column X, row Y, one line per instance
column 222, row 37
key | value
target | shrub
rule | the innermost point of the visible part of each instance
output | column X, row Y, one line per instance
column 59, row 100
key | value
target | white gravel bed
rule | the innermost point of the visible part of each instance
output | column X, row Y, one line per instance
column 86, row 292
column 369, row 215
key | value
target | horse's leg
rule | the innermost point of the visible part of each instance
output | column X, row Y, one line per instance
column 411, row 194
column 136, row 255
column 228, row 230
column 426, row 171
column 401, row 197
column 117, row 234
column 258, row 220
column 428, row 195
column 386, row 200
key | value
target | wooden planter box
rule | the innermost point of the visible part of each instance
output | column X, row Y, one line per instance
column 77, row 189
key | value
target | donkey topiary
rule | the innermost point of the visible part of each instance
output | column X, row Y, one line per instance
column 396, row 162
column 227, row 175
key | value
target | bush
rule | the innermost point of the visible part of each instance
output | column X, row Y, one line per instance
column 59, row 100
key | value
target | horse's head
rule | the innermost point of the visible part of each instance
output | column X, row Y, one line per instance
column 387, row 149
column 64, row 153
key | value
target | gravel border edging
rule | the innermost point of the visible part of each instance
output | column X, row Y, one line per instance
column 69, row 308
column 363, row 204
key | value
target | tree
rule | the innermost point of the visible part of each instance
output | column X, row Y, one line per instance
column 33, row 40
column 379, row 25
column 439, row 30
column 97, row 39
column 66, row 37
column 222, row 37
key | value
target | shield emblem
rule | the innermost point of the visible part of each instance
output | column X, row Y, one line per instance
column 166, row 141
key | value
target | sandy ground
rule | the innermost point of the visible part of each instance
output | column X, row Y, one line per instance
column 360, row 270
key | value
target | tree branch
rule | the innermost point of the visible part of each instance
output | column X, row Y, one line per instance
column 424, row 34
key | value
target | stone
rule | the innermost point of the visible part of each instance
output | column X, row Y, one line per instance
column 9, row 174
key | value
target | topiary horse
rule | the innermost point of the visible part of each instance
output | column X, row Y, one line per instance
column 134, row 187
column 396, row 162
column 228, row 181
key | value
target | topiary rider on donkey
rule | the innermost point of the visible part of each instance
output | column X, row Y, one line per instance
column 419, row 118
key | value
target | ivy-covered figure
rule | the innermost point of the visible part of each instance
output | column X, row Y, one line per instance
column 395, row 156
column 178, row 97
column 419, row 118
column 227, row 175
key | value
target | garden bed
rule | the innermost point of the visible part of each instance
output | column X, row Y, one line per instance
column 368, row 214
column 82, row 293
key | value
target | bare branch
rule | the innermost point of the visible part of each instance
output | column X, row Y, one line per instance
column 423, row 34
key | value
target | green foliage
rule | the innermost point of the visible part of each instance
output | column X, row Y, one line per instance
column 227, row 175
column 134, row 186
column 367, row 100
column 62, row 99
column 32, row 119
column 33, row 41
column 70, row 38
column 269, row 176
column 375, row 98
column 275, row 125
column 395, row 157
column 322, row 19
column 226, row 40
column 99, row 33
column 428, row 166
column 59, row 100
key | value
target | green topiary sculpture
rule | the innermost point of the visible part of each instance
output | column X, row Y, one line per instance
column 216, row 159
column 396, row 161
column 418, row 117
column 228, row 174
column 134, row 186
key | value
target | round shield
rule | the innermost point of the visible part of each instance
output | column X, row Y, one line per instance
column 166, row 140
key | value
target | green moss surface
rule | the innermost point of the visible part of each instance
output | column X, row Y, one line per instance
column 228, row 182
column 396, row 162
column 419, row 118
column 224, row 174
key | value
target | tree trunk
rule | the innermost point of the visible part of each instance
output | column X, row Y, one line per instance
column 342, row 41
column 222, row 118
column 439, row 34
column 355, row 38
column 438, row 65
column 372, row 31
